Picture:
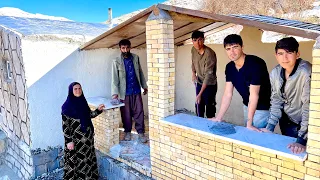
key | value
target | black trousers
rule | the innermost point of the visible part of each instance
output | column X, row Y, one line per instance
column 208, row 101
column 133, row 108
column 287, row 127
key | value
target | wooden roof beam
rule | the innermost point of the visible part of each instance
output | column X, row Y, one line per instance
column 184, row 17
column 208, row 30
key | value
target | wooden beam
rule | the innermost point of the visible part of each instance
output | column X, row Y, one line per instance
column 184, row 17
column 118, row 27
column 205, row 29
column 221, row 28
column 189, row 28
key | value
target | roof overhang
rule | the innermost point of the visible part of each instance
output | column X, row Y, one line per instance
column 185, row 22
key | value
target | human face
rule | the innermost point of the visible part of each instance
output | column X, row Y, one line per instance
column 125, row 50
column 287, row 59
column 77, row 90
column 234, row 51
column 198, row 43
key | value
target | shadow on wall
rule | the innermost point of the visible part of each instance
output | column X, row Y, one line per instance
column 91, row 68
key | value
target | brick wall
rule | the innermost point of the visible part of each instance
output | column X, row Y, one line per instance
column 313, row 146
column 161, row 71
column 106, row 128
column 181, row 153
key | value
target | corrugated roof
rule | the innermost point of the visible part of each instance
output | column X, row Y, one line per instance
column 279, row 21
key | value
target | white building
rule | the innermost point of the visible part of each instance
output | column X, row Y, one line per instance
column 38, row 60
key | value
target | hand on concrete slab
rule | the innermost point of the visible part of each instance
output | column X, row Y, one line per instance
column 265, row 130
column 198, row 99
column 145, row 91
column 296, row 148
column 115, row 96
column 101, row 106
column 216, row 119
column 70, row 146
column 253, row 128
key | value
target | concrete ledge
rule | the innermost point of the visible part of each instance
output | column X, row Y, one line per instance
column 133, row 154
column 113, row 169
column 269, row 142
column 96, row 101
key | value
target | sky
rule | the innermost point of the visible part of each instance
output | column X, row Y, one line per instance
column 80, row 10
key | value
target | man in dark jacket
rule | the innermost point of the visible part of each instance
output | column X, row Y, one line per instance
column 127, row 81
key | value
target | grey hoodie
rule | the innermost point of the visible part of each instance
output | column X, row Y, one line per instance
column 295, row 100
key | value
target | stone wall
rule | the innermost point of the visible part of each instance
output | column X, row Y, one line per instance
column 13, row 104
column 3, row 146
column 46, row 161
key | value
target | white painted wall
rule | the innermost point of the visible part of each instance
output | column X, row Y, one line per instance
column 92, row 69
column 41, row 56
column 185, row 90
column 46, row 96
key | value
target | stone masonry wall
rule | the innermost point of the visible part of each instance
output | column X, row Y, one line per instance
column 106, row 129
column 46, row 161
column 13, row 104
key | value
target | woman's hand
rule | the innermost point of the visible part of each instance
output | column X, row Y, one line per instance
column 100, row 107
column 70, row 146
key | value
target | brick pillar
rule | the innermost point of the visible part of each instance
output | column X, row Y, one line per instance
column 313, row 146
column 106, row 127
column 161, row 75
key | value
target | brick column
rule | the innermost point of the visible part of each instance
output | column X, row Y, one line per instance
column 313, row 146
column 161, row 75
column 106, row 127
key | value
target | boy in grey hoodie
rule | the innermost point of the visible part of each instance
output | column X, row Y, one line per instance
column 290, row 98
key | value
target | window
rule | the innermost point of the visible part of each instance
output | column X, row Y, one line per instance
column 8, row 68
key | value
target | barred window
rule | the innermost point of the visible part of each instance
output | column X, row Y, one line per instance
column 6, row 70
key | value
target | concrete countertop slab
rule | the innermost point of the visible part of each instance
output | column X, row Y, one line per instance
column 269, row 142
column 96, row 101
